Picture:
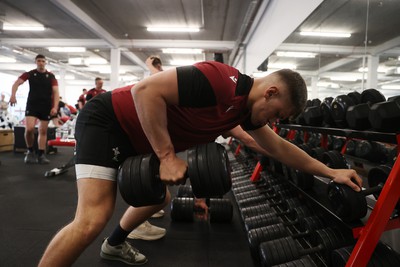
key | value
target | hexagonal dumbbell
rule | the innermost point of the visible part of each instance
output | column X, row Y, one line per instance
column 287, row 249
column 350, row 205
column 183, row 210
column 208, row 169
column 270, row 232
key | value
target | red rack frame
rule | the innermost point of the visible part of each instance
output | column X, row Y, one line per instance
column 379, row 220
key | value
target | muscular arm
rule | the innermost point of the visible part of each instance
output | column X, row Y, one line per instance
column 294, row 157
column 56, row 99
column 152, row 96
column 239, row 134
column 14, row 89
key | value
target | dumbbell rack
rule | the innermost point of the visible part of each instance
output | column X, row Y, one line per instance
column 379, row 219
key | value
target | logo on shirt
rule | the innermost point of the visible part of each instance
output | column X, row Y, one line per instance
column 116, row 154
column 233, row 78
column 230, row 108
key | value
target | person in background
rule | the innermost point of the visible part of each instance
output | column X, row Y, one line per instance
column 97, row 90
column 154, row 64
column 82, row 99
column 41, row 105
column 3, row 105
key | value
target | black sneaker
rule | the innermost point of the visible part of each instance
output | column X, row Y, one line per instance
column 30, row 158
column 43, row 160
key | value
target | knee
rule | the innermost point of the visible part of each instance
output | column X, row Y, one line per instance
column 42, row 131
column 90, row 227
column 29, row 130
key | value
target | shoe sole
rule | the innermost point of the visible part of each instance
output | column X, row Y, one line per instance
column 156, row 216
column 114, row 258
column 147, row 238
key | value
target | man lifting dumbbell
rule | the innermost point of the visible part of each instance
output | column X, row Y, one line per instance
column 163, row 114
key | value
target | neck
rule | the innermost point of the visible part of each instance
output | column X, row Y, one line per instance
column 254, row 93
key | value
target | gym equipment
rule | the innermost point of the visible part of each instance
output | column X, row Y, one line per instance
column 357, row 116
column 287, row 249
column 371, row 151
column 208, row 169
column 339, row 108
column 184, row 191
column 385, row 116
column 183, row 209
column 303, row 262
column 372, row 96
column 303, row 180
column 382, row 256
column 266, row 219
column 63, row 168
column 334, row 160
column 313, row 116
column 326, row 112
column 350, row 205
column 351, row 147
column 270, row 232
column 265, row 208
column 318, row 152
column 355, row 96
column 338, row 143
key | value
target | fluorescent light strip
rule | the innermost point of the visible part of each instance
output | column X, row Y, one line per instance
column 9, row 27
column 7, row 59
column 296, row 54
column 344, row 78
column 172, row 29
column 182, row 51
column 66, row 49
column 327, row 34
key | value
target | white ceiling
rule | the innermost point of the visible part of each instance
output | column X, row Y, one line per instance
column 245, row 32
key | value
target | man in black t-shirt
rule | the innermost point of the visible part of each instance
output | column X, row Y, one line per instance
column 42, row 103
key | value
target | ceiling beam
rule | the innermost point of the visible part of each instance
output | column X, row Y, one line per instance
column 385, row 46
column 222, row 46
column 78, row 14
column 338, row 63
column 267, row 36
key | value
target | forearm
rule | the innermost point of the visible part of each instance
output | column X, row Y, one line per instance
column 56, row 98
column 294, row 157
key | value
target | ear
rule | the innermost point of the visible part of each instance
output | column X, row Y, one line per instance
column 271, row 91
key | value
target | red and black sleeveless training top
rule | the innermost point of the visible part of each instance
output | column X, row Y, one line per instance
column 212, row 100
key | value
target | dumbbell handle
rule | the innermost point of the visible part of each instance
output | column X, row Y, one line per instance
column 311, row 250
column 372, row 190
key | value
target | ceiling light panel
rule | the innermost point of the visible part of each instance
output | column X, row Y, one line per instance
column 182, row 51
column 326, row 34
column 172, row 29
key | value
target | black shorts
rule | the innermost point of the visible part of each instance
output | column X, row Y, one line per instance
column 41, row 113
column 100, row 139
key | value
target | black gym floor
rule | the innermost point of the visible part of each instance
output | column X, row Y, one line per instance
column 34, row 207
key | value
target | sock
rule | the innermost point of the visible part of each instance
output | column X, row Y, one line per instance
column 41, row 152
column 118, row 236
column 30, row 149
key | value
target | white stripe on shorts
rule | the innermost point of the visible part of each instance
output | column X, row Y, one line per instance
column 94, row 171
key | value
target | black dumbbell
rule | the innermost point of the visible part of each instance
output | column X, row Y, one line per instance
column 270, row 190
column 357, row 116
column 334, row 159
column 265, row 184
column 370, row 150
column 305, row 261
column 184, row 191
column 385, row 116
column 183, row 209
column 208, row 168
column 287, row 249
column 313, row 116
column 294, row 216
column 257, row 199
column 372, row 96
column 266, row 208
column 303, row 180
column 317, row 153
column 326, row 112
column 339, row 108
column 382, row 256
column 350, row 205
column 270, row 232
